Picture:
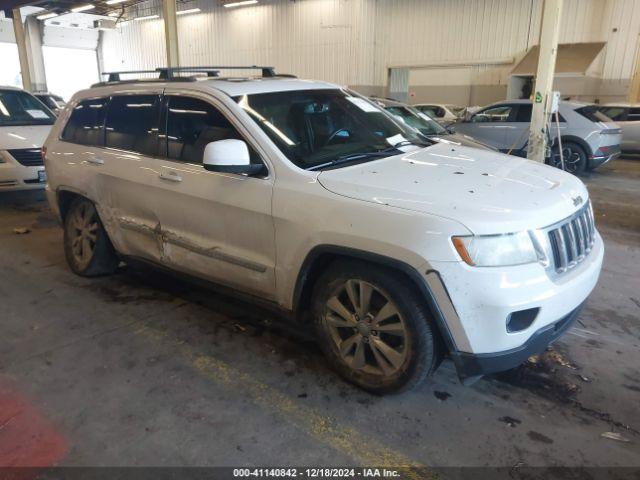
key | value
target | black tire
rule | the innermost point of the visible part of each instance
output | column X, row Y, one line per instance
column 575, row 158
column 100, row 258
column 418, row 347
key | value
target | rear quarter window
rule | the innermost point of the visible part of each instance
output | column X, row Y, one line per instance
column 591, row 113
column 86, row 123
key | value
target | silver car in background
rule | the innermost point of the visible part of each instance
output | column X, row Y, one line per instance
column 589, row 138
column 627, row 116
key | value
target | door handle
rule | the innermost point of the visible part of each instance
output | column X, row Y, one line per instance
column 95, row 161
column 171, row 176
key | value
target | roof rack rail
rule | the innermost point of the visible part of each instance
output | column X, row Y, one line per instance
column 169, row 73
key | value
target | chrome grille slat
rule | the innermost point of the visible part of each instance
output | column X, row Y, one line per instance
column 572, row 239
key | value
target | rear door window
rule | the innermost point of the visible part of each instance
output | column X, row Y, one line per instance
column 133, row 124
column 85, row 126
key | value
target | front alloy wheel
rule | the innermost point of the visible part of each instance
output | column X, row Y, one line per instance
column 367, row 329
column 373, row 326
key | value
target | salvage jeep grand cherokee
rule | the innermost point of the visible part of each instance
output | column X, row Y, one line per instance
column 398, row 249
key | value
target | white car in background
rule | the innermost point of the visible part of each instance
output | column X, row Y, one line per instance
column 627, row 116
column 395, row 249
column 443, row 113
column 24, row 125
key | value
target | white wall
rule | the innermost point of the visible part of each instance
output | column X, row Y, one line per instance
column 355, row 41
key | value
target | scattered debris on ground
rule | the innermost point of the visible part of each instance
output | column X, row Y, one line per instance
column 21, row 230
column 512, row 422
column 442, row 396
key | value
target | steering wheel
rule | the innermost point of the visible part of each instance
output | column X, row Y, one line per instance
column 334, row 135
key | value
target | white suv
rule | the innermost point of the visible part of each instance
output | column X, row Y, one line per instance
column 397, row 249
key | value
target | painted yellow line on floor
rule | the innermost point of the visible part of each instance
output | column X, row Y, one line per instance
column 362, row 448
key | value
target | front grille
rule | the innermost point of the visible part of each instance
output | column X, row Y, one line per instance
column 572, row 240
column 29, row 157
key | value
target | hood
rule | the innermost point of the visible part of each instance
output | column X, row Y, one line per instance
column 462, row 139
column 32, row 136
column 487, row 192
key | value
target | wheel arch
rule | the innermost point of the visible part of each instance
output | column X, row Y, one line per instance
column 65, row 197
column 319, row 259
column 580, row 141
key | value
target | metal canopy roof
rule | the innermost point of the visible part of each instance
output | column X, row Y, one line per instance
column 572, row 58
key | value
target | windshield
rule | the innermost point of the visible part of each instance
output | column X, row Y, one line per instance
column 418, row 120
column 19, row 108
column 316, row 127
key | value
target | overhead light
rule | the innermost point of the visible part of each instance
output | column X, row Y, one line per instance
column 83, row 8
column 45, row 16
column 240, row 4
column 191, row 10
column 148, row 17
column 113, row 2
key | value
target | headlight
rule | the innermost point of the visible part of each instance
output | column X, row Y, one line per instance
column 496, row 250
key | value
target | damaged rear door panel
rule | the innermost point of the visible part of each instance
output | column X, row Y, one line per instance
column 128, row 189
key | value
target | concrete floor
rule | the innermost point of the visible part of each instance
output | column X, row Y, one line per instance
column 140, row 369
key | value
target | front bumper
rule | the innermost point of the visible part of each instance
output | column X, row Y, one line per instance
column 470, row 366
column 14, row 176
column 475, row 305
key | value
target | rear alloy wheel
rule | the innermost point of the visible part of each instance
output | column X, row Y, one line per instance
column 575, row 158
column 87, row 247
column 373, row 328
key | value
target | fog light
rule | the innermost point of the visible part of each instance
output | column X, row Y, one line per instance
column 521, row 320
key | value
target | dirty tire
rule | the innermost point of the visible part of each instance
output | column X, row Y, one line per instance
column 87, row 247
column 368, row 363
column 575, row 158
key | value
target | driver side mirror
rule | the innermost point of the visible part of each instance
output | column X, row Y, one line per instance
column 230, row 156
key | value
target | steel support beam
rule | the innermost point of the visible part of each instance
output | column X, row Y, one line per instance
column 33, row 38
column 169, row 9
column 18, row 29
column 549, row 34
column 634, row 87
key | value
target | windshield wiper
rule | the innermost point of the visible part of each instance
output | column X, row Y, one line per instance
column 365, row 155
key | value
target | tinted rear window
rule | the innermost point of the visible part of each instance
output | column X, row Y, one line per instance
column 591, row 112
column 132, row 124
column 85, row 126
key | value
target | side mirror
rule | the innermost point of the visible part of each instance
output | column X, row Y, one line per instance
column 229, row 156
